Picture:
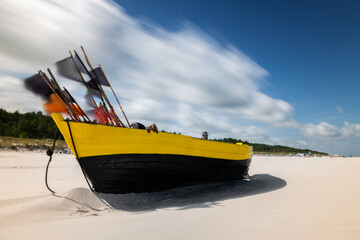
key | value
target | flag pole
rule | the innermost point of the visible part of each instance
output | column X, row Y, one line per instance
column 114, row 95
column 108, row 117
column 77, row 105
column 88, row 88
column 69, row 109
column 102, row 90
column 83, row 80
column 86, row 118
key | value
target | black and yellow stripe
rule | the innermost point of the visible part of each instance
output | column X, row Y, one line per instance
column 132, row 160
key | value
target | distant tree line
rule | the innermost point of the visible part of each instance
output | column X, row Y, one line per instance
column 260, row 147
column 26, row 125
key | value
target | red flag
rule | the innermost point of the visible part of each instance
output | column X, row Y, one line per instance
column 100, row 115
column 113, row 116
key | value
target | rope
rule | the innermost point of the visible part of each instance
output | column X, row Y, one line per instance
column 50, row 152
column 85, row 176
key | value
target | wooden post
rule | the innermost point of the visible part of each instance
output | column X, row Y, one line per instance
column 115, row 95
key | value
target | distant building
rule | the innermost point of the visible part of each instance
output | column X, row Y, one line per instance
column 205, row 135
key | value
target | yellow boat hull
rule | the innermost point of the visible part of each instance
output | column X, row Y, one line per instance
column 121, row 160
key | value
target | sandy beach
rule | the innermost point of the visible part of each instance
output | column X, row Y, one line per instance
column 285, row 198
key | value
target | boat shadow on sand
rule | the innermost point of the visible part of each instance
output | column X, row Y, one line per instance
column 198, row 196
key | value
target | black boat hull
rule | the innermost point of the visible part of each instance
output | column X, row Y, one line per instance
column 126, row 173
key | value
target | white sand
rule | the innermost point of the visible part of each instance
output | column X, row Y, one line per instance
column 286, row 198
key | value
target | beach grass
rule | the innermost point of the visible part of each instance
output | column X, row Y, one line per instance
column 14, row 143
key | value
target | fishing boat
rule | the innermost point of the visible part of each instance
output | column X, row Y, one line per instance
column 122, row 159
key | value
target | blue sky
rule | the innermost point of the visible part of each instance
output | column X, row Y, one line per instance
column 277, row 72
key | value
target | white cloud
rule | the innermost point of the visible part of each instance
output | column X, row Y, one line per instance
column 350, row 129
column 302, row 143
column 12, row 89
column 339, row 109
column 325, row 130
column 322, row 130
column 154, row 68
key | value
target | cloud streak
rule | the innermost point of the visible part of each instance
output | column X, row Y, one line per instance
column 159, row 70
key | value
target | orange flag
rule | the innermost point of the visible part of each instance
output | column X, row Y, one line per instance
column 77, row 110
column 55, row 104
